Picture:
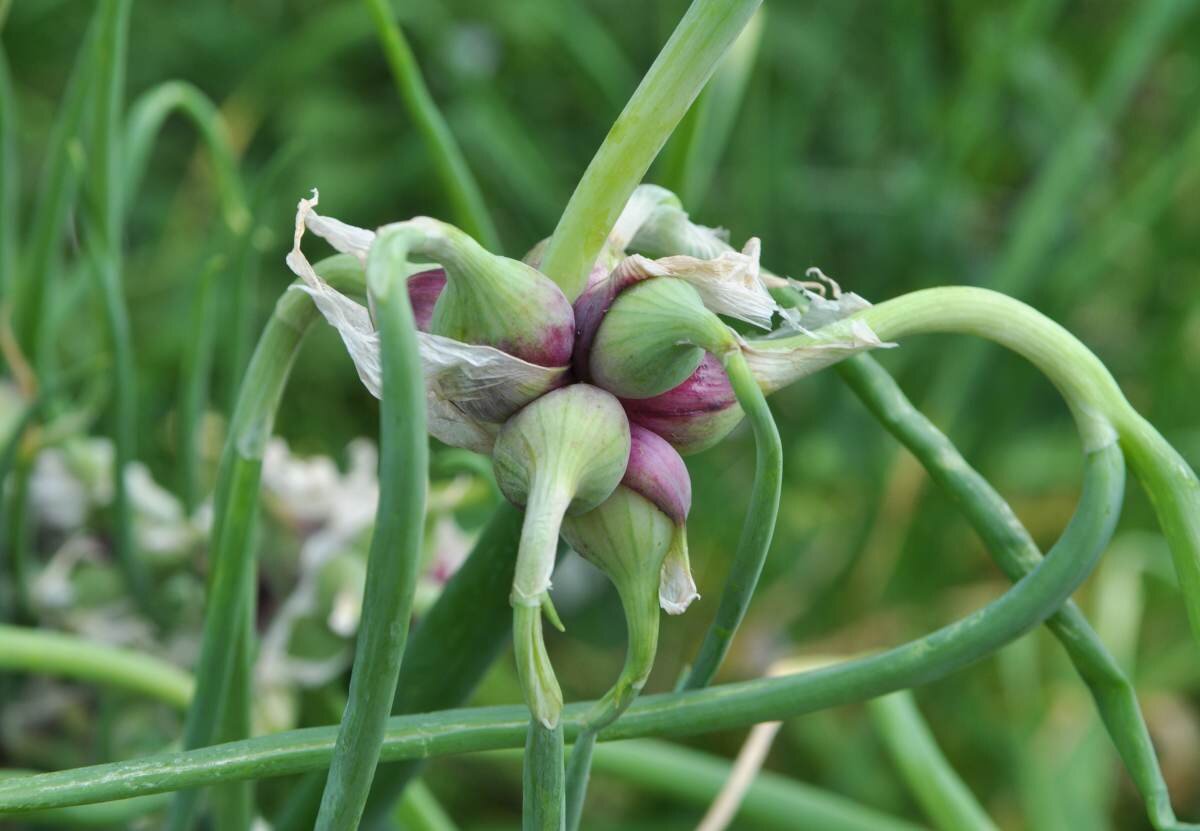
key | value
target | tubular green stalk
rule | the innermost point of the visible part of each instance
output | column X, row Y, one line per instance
column 1100, row 410
column 926, row 659
column 757, row 529
column 454, row 644
column 119, row 814
column 543, row 806
column 455, row 176
column 936, row 786
column 1017, row 555
column 674, row 80
column 235, row 506
column 691, row 162
column 104, row 247
column 395, row 543
column 68, row 656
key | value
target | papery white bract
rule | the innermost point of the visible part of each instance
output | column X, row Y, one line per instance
column 470, row 390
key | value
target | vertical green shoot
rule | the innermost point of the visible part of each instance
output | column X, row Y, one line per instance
column 660, row 101
column 395, row 545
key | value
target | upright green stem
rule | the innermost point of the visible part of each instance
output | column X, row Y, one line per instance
column 660, row 101
column 542, row 803
column 461, row 188
column 937, row 787
column 1017, row 554
column 757, row 529
column 921, row 661
column 454, row 644
column 235, row 507
column 395, row 544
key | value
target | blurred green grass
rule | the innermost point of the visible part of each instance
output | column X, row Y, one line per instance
column 895, row 144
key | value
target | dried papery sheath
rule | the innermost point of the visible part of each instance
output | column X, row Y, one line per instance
column 564, row 453
column 676, row 588
column 693, row 416
column 653, row 337
column 778, row 362
column 729, row 284
column 487, row 300
column 470, row 389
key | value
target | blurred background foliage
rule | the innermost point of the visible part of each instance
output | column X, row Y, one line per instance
column 1047, row 148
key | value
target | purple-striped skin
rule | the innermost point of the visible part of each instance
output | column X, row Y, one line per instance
column 423, row 291
column 657, row 472
column 694, row 415
column 590, row 308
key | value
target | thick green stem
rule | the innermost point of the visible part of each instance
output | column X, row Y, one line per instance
column 640, row 601
column 454, row 644
column 1017, row 554
column 757, row 529
column 455, row 176
column 1025, row 605
column 674, row 80
column 943, row 796
column 395, row 544
column 1100, row 409
column 69, row 656
column 235, row 507
column 542, row 805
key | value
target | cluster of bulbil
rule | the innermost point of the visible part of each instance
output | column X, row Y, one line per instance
column 585, row 404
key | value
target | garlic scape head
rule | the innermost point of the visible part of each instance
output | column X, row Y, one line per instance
column 653, row 337
column 565, row 453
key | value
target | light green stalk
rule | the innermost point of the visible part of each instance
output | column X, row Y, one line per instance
column 734, row 705
column 660, row 101
column 395, row 544
column 1101, row 412
column 235, row 508
column 1014, row 550
column 452, row 170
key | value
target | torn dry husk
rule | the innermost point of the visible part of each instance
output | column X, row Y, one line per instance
column 777, row 363
column 676, row 588
column 470, row 390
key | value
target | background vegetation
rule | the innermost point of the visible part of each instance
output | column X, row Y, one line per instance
column 1045, row 148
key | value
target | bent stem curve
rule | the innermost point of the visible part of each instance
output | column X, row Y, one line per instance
column 926, row 659
column 1101, row 411
column 757, row 529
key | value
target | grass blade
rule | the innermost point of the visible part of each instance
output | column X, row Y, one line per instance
column 937, row 787
column 461, row 188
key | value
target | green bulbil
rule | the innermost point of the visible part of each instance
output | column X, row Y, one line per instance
column 653, row 338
